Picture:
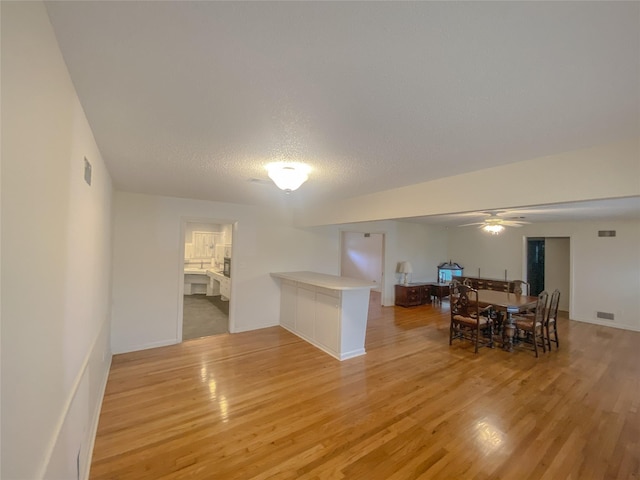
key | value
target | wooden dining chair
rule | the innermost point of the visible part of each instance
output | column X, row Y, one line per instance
column 550, row 323
column 532, row 325
column 520, row 287
column 468, row 321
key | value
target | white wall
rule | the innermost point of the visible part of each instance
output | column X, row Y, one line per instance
column 56, row 233
column 605, row 272
column 147, row 275
column 362, row 257
column 491, row 255
column 557, row 268
column 425, row 246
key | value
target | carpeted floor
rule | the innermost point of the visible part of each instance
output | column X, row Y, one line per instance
column 203, row 316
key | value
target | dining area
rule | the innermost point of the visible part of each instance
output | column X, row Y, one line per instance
column 503, row 314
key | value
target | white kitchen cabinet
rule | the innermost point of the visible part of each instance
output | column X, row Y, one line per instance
column 327, row 323
column 306, row 311
column 219, row 285
column 195, row 283
column 225, row 287
column 329, row 312
column 213, row 287
column 288, row 304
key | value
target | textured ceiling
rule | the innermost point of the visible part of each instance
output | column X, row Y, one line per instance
column 193, row 99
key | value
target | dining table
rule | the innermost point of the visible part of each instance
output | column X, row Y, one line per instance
column 507, row 303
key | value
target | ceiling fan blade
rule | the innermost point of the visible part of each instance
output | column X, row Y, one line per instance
column 471, row 224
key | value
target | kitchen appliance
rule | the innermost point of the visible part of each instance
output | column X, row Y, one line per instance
column 227, row 267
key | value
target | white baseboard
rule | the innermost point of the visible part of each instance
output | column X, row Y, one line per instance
column 145, row 346
column 609, row 323
column 96, row 418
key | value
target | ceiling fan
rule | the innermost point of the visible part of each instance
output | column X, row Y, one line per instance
column 494, row 224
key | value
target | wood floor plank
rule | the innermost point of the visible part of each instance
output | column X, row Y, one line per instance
column 267, row 405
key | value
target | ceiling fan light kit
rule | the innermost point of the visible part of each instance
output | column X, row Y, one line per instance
column 493, row 229
column 494, row 224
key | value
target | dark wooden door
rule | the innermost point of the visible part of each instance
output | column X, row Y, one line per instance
column 535, row 265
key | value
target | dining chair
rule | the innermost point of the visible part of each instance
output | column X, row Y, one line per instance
column 520, row 287
column 533, row 324
column 468, row 321
column 550, row 324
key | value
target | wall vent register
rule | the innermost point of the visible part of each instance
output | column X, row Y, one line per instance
column 87, row 171
column 605, row 315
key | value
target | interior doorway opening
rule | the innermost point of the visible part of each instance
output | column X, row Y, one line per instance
column 362, row 257
column 549, row 267
column 206, row 279
column 535, row 265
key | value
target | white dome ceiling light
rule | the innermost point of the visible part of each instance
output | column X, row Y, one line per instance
column 288, row 176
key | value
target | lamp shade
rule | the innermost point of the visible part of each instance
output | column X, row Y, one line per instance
column 405, row 267
column 288, row 176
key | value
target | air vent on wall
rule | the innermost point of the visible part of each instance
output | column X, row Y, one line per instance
column 606, row 233
column 605, row 315
column 87, row 171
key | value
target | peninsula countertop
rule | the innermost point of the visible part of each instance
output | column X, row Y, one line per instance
column 324, row 280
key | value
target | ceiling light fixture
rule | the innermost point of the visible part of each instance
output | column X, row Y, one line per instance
column 493, row 229
column 288, row 176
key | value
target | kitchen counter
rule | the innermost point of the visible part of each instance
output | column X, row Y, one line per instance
column 206, row 280
column 332, row 282
column 219, row 284
column 328, row 311
column 195, row 271
column 214, row 273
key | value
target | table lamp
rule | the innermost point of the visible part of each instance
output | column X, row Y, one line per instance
column 406, row 269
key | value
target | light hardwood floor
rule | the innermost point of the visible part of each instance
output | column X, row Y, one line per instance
column 266, row 404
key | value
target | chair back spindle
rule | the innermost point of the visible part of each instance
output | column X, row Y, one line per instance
column 551, row 322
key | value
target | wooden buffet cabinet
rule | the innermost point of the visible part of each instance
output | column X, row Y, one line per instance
column 413, row 294
column 479, row 283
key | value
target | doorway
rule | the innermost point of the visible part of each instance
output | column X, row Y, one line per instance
column 549, row 267
column 535, row 265
column 206, row 294
column 362, row 257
